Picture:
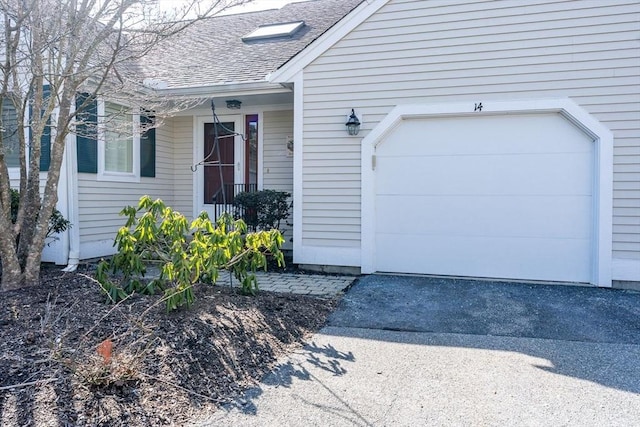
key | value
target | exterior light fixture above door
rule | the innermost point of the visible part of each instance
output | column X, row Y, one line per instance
column 233, row 104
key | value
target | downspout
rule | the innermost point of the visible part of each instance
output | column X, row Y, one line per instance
column 72, row 204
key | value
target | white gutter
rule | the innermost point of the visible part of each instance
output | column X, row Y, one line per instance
column 72, row 207
column 228, row 89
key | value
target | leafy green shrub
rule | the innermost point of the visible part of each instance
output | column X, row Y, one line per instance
column 186, row 253
column 262, row 210
column 57, row 222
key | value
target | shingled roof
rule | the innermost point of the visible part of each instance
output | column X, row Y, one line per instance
column 212, row 51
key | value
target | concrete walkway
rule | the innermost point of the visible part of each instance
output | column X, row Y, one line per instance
column 319, row 285
column 475, row 353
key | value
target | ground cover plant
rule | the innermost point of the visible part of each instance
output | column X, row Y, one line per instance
column 67, row 358
column 101, row 347
column 184, row 253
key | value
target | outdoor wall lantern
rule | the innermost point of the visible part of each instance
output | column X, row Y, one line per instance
column 353, row 124
column 233, row 104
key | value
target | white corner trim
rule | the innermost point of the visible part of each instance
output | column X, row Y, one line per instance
column 625, row 269
column 57, row 248
column 603, row 176
column 298, row 143
column 73, row 199
column 363, row 11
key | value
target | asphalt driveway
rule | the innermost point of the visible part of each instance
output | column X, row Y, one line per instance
column 431, row 351
column 480, row 307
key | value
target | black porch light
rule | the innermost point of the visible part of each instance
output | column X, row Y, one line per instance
column 233, row 104
column 353, row 124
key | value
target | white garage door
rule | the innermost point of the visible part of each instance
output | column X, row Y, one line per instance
column 503, row 196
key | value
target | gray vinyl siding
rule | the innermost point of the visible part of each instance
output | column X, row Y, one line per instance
column 101, row 201
column 414, row 51
column 182, row 137
column 277, row 165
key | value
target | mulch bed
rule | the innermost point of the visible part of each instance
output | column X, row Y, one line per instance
column 163, row 368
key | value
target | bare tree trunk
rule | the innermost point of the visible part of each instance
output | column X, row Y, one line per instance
column 11, row 272
column 70, row 47
column 37, row 242
column 12, row 277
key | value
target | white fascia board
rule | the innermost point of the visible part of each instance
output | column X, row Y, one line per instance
column 362, row 12
column 229, row 89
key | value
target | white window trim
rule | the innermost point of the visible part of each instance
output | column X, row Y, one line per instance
column 103, row 174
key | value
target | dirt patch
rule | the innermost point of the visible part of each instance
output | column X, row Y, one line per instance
column 67, row 358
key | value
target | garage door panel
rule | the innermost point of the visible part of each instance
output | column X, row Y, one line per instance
column 534, row 174
column 544, row 216
column 523, row 134
column 510, row 258
column 506, row 196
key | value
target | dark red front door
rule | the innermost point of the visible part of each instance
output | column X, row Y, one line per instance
column 219, row 171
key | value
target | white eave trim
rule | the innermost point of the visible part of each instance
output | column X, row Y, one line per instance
column 229, row 89
column 363, row 11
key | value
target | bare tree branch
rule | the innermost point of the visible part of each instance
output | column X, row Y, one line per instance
column 72, row 46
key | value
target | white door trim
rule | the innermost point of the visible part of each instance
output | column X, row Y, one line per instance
column 603, row 167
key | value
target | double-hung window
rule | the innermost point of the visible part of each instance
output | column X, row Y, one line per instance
column 118, row 140
column 118, row 143
column 109, row 141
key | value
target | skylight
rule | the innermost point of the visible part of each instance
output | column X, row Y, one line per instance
column 286, row 29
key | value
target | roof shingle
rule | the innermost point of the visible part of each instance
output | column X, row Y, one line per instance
column 212, row 52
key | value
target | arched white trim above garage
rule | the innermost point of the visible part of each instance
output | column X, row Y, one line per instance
column 600, row 175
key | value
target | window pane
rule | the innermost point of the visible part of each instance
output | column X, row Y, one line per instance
column 251, row 177
column 118, row 155
column 118, row 147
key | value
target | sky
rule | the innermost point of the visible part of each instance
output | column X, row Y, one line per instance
column 261, row 5
column 249, row 7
